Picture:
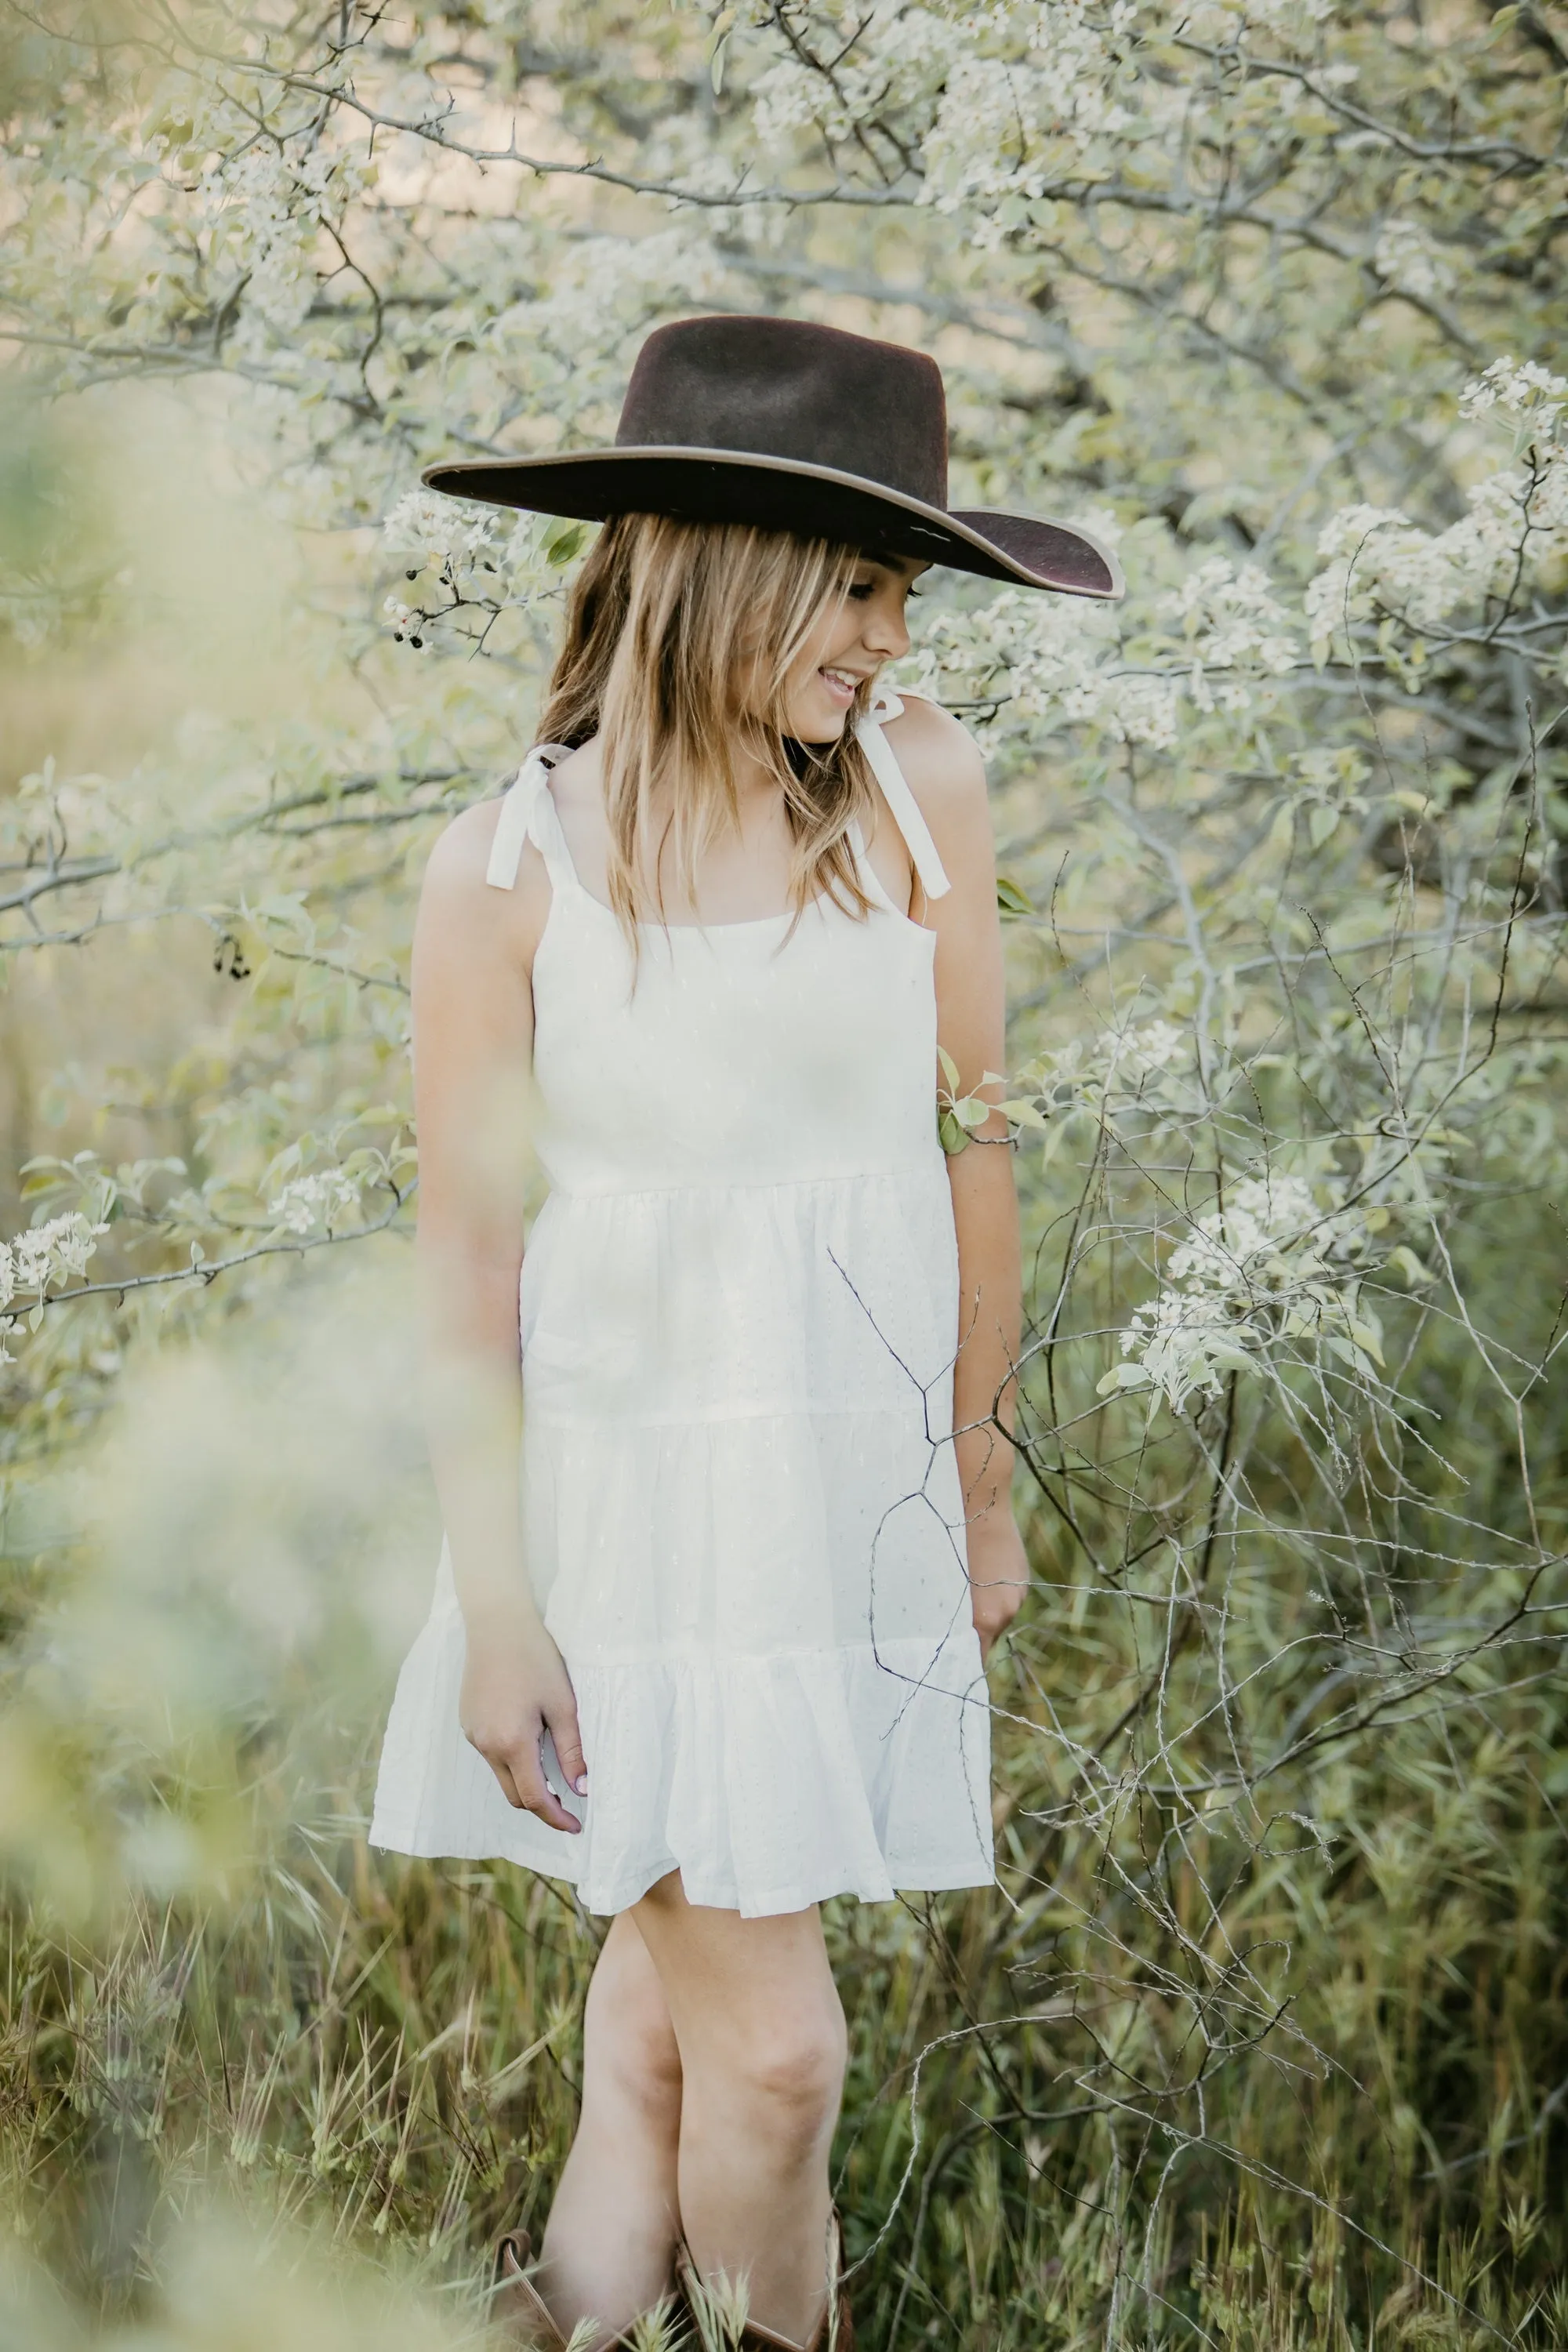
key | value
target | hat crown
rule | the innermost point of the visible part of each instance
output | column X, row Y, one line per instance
column 784, row 388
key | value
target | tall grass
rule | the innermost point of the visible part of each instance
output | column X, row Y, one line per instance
column 1244, row 2059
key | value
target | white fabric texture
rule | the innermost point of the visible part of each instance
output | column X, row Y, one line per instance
column 739, row 1315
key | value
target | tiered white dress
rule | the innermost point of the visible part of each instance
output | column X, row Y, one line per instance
column 739, row 1316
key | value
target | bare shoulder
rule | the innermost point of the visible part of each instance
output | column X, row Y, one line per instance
column 943, row 767
column 456, row 862
column 462, row 908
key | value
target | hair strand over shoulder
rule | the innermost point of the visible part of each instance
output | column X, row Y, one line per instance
column 680, row 639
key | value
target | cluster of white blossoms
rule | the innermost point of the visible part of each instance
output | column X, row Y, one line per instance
column 40, row 1259
column 1377, row 562
column 601, row 289
column 1030, row 90
column 1144, row 1068
column 899, row 57
column 47, row 1254
column 1037, row 662
column 309, row 1204
column 487, row 558
column 1004, row 100
column 1268, row 1265
column 1521, row 388
column 1120, row 1063
column 267, row 205
column 1042, row 660
column 1405, row 258
column 1146, row 1050
column 1233, row 621
column 437, row 531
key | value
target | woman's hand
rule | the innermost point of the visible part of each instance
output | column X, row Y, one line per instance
column 515, row 1689
column 999, row 1578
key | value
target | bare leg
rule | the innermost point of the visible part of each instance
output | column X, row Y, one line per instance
column 609, row 2244
column 761, row 2033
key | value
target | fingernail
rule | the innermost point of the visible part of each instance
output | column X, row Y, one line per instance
column 581, row 1784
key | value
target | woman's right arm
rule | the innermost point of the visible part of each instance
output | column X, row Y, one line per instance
column 473, row 1040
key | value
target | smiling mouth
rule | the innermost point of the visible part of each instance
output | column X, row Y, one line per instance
column 841, row 683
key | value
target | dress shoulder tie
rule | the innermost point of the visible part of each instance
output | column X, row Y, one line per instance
column 528, row 813
column 901, row 803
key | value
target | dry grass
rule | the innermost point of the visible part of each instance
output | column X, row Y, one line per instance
column 1247, row 2084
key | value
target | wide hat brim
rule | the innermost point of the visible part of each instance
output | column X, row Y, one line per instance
column 706, row 485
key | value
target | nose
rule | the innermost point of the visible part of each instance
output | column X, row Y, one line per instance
column 885, row 633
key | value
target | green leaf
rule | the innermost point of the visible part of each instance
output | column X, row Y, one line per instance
column 1012, row 899
column 951, row 1134
column 949, row 1069
column 564, row 541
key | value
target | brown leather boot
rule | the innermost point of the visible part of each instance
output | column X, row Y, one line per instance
column 517, row 2307
column 835, row 2330
column 519, row 2311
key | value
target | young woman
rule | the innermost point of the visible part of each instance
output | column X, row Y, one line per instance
column 718, row 1654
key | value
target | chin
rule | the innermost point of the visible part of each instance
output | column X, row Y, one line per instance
column 818, row 725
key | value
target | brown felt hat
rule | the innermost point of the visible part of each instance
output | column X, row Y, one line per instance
column 791, row 426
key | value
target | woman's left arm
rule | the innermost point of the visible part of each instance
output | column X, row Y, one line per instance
column 948, row 777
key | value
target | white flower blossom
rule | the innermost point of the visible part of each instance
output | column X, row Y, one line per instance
column 1048, row 657
column 268, row 204
column 1517, row 386
column 310, row 1203
column 48, row 1254
column 1147, row 1067
column 1270, row 1264
column 1149, row 1048
column 1030, row 93
column 1376, row 559
column 483, row 558
column 903, row 55
column 1234, row 620
column 1183, row 1344
column 603, row 289
column 1245, row 1242
column 437, row 530
column 1405, row 258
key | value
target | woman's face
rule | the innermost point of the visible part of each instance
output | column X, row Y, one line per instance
column 850, row 644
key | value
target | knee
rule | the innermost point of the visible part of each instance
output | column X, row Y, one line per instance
column 788, row 2069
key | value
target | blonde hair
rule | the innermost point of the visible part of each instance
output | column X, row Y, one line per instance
column 681, row 637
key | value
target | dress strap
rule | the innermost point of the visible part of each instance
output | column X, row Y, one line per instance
column 901, row 802
column 528, row 813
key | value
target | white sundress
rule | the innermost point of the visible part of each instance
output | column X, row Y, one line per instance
column 738, row 1316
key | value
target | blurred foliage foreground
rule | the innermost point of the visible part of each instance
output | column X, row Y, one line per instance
column 1263, row 2037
